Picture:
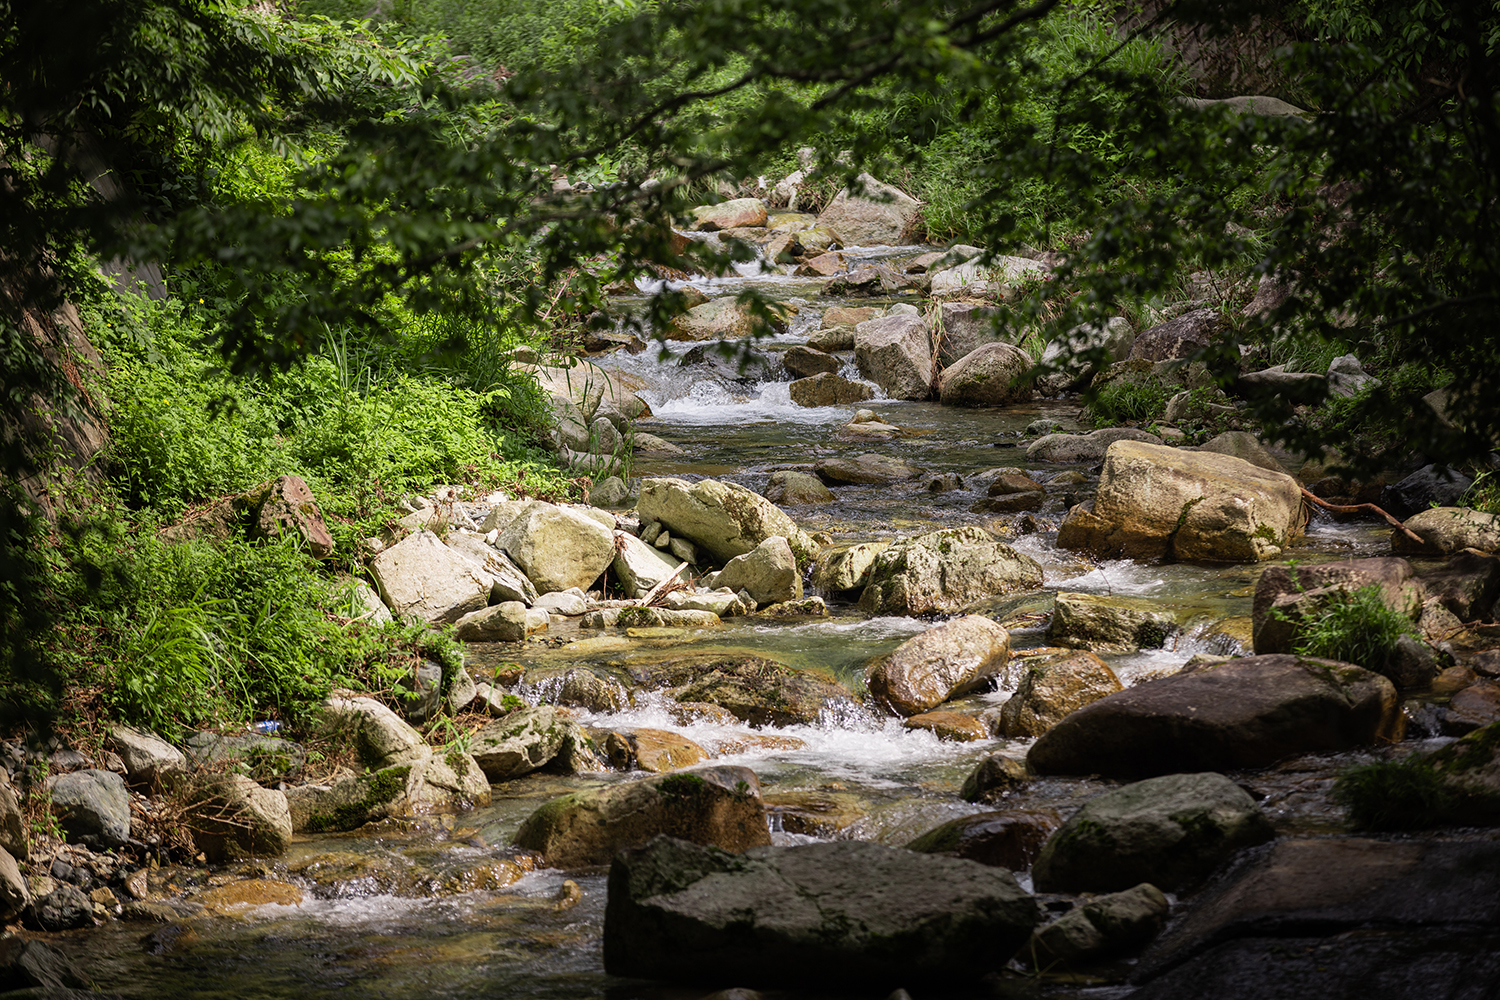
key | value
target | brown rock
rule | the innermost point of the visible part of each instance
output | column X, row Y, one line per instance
column 804, row 362
column 945, row 661
column 954, row 726
column 1010, row 839
column 1053, row 689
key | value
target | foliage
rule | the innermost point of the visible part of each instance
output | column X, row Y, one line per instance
column 1403, row 795
column 1126, row 400
column 1354, row 626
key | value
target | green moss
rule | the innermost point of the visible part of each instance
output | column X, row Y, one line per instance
column 381, row 787
column 1475, row 750
column 681, row 786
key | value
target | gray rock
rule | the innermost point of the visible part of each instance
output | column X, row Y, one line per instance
column 461, row 691
column 722, row 603
column 990, row 375
column 1088, row 447
column 14, row 896
column 828, row 389
column 366, row 605
column 846, row 569
column 611, row 492
column 1053, row 689
column 1177, row 338
column 232, row 817
column 895, row 352
column 558, row 548
column 797, row 489
column 638, row 567
column 1102, row 928
column 422, row 577
column 149, row 760
column 92, row 807
column 965, row 326
column 723, row 318
column 1244, row 446
column 805, row 362
column 1010, row 839
column 262, row 757
column 510, row 584
column 769, row 572
column 719, row 806
column 733, row 214
column 1239, row 713
column 944, row 662
column 996, row 776
column 1467, row 584
column 519, row 743
column 423, row 691
column 1109, row 624
column 870, row 213
column 12, row 826
column 1154, row 501
column 568, row 602
column 650, row 444
column 972, row 279
column 504, row 622
column 65, row 908
column 1347, row 377
column 1445, row 530
column 865, row 469
column 813, row 914
column 724, row 519
column 945, row 570
column 380, row 737
column 1114, row 337
column 1171, row 831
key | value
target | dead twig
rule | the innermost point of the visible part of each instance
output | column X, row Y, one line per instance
column 1362, row 508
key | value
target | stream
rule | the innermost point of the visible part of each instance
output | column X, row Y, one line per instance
column 444, row 907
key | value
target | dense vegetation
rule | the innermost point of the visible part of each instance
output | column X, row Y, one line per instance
column 357, row 225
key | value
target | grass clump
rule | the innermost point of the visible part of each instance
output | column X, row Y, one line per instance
column 1120, row 402
column 1355, row 626
column 1404, row 795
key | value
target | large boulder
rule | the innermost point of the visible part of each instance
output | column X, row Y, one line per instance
column 870, row 213
column 1067, row 354
column 947, row 660
column 1178, row 338
column 1102, row 928
column 844, row 914
column 511, row 584
column 990, row 375
column 1467, row 584
column 718, row 806
column 92, row 807
column 1287, row 596
column 1109, row 624
column 767, row 572
column 519, row 743
column 1246, row 712
column 286, row 506
column 1171, row 831
column 828, row 389
column 734, row 214
column 233, row 817
column 724, row 519
column 1054, row 688
column 427, row 784
column 558, row 548
column 149, row 760
column 724, row 318
column 12, row 824
column 797, row 488
column 1424, row 489
column 379, row 736
column 895, row 352
column 1088, row 447
column 507, row 621
column 963, row 327
column 757, row 691
column 1445, row 530
column 973, row 279
column 943, row 571
column 14, row 896
column 1160, row 502
column 422, row 577
column 640, row 567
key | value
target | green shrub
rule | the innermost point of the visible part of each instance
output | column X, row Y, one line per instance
column 1353, row 626
column 1408, row 795
column 1122, row 401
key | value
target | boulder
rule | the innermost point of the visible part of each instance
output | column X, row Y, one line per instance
column 558, row 548
column 865, row 469
column 365, row 604
column 428, row 784
column 725, row 519
column 1066, row 354
column 895, row 352
column 802, row 361
column 944, row 662
column 1242, row 445
column 1171, row 831
column 640, row 567
column 1426, row 488
column 990, row 375
column 870, row 213
column 518, row 743
column 973, row 279
column 150, row 761
column 510, row 583
column 12, row 825
column 1010, row 839
column 724, row 318
column 956, row 727
column 232, row 818
column 1239, row 713
column 823, row 265
column 847, row 914
column 828, row 389
column 1467, row 584
column 14, row 896
column 1109, row 624
column 650, row 444
column 286, row 507
column 380, row 737
column 1160, row 502
column 718, row 806
column 994, row 779
column 767, row 572
column 1285, row 595
column 963, row 327
column 797, row 489
column 666, row 618
column 422, row 577
column 654, row 750
column 1088, row 447
column 1445, row 530
column 92, row 807
column 846, row 569
column 1102, row 928
column 1347, row 377
column 739, row 212
column 758, row 691
column 568, row 603
column 1054, row 688
column 65, row 908
column 1178, row 338
column 943, row 571
column 504, row 622
column 1298, row 388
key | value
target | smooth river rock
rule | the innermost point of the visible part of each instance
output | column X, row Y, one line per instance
column 725, row 519
column 1240, row 713
column 558, row 548
column 1052, row 689
column 845, row 914
column 990, row 375
column 945, row 570
column 895, row 352
column 945, row 661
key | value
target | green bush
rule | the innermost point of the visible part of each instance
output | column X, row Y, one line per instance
column 1408, row 795
column 1121, row 401
column 1353, row 626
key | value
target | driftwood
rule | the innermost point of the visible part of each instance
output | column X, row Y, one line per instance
column 1360, row 508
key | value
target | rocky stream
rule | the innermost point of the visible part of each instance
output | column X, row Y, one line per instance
column 830, row 709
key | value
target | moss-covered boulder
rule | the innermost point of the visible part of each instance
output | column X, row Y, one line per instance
column 1010, row 839
column 945, row 570
column 718, row 806
column 1109, row 624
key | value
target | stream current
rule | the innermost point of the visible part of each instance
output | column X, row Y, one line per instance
column 442, row 907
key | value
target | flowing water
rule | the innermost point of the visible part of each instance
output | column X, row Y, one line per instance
column 444, row 908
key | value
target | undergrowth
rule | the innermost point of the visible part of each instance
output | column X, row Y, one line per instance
column 1353, row 626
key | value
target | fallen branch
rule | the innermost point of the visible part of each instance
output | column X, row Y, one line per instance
column 645, row 602
column 1359, row 508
